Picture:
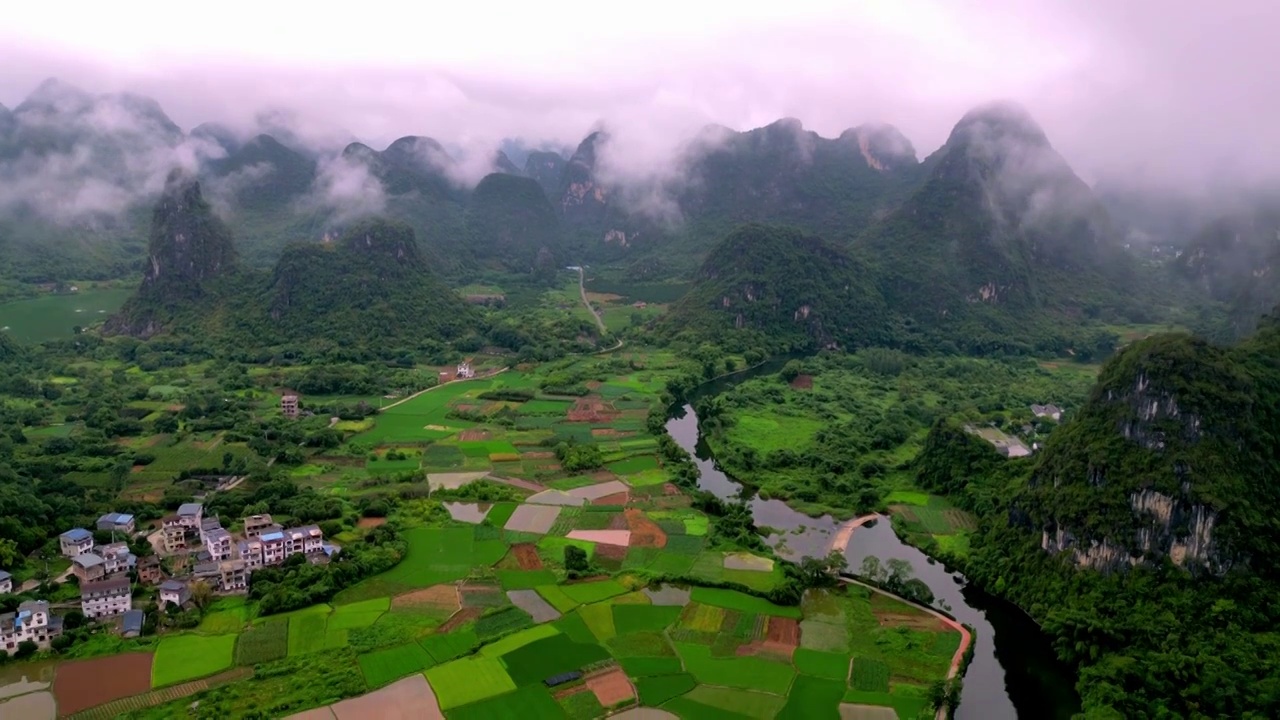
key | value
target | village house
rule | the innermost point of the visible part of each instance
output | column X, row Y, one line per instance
column 6, row 583
column 104, row 598
column 173, row 591
column 255, row 525
column 117, row 557
column 175, row 534
column 132, row 625
column 289, row 406
column 251, row 552
column 465, row 371
column 75, row 541
column 190, row 514
column 116, row 522
column 88, row 567
column 1050, row 411
column 31, row 622
column 275, row 547
column 218, row 544
column 233, row 576
column 149, row 570
column 304, row 540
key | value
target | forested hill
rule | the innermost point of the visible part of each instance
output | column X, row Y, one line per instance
column 768, row 286
column 1145, row 536
column 371, row 285
column 189, row 249
column 1000, row 231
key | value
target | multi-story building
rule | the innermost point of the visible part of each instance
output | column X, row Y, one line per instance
column 289, row 406
column 104, row 598
column 6, row 583
column 117, row 522
column 116, row 557
column 217, row 542
column 31, row 622
column 88, row 567
column 75, row 541
column 233, row 576
column 190, row 515
column 175, row 534
column 255, row 525
column 273, row 547
column 172, row 591
column 251, row 552
column 149, row 570
column 303, row 540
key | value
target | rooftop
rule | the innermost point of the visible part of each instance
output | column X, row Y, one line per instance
column 77, row 535
column 271, row 536
column 88, row 560
column 133, row 621
column 217, row 534
column 4, row 575
column 117, row 518
column 186, row 509
column 115, row 584
column 34, row 606
column 172, row 586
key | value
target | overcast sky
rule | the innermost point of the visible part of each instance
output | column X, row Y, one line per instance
column 1169, row 90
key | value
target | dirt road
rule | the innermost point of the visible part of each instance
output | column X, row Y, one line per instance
column 582, row 290
column 433, row 387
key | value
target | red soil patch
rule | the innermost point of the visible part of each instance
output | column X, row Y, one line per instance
column 767, row 649
column 783, row 631
column 618, row 522
column 371, row 522
column 614, row 499
column 611, row 688
column 594, row 384
column 802, row 382
column 669, row 489
column 611, row 552
column 474, row 435
column 467, row 408
column 460, row 618
column 82, row 684
column 444, row 597
column 539, row 455
column 644, row 532
column 605, row 432
column 527, row 555
column 604, row 476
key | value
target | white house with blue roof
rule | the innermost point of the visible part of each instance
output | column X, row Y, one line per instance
column 6, row 582
column 30, row 623
column 75, row 541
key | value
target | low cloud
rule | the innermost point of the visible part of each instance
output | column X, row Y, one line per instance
column 345, row 187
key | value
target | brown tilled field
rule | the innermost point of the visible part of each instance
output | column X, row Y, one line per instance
column 611, row 552
column 892, row 613
column 644, row 532
column 615, row 499
column 460, row 618
column 82, row 684
column 371, row 522
column 442, row 597
column 527, row 555
column 611, row 688
column 592, row 410
column 802, row 382
column 467, row 435
column 784, row 631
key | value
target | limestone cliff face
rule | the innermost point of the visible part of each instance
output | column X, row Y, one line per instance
column 1157, row 465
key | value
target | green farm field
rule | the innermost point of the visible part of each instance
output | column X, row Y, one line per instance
column 54, row 317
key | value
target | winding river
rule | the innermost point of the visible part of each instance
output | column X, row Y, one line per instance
column 1014, row 673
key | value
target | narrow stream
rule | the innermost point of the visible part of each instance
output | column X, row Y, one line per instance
column 1014, row 673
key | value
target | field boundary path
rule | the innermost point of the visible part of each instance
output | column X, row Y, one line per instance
column 440, row 385
column 965, row 637
column 157, row 697
column 841, row 543
column 582, row 290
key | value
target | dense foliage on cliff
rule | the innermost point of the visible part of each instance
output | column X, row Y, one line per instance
column 513, row 225
column 1144, row 536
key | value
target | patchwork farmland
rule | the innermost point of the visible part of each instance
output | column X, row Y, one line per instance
column 550, row 569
